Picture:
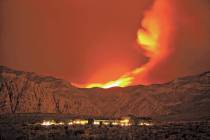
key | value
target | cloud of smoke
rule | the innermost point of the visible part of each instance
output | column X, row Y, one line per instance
column 93, row 41
column 188, row 40
column 154, row 38
column 170, row 31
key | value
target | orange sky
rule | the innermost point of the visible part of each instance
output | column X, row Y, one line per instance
column 83, row 41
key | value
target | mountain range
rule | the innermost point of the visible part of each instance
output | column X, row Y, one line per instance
column 27, row 92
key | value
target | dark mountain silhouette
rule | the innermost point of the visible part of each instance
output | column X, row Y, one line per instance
column 24, row 92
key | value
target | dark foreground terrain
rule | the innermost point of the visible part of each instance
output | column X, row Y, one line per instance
column 27, row 128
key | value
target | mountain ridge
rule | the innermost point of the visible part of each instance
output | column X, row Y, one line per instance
column 25, row 92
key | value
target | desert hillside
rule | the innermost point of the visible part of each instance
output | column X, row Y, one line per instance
column 25, row 92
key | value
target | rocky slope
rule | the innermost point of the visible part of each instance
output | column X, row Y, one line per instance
column 24, row 92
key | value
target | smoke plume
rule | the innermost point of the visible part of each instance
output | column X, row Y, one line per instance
column 106, row 43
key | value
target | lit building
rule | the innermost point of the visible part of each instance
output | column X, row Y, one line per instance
column 124, row 121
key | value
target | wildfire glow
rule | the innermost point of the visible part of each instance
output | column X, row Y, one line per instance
column 148, row 37
column 122, row 82
column 153, row 37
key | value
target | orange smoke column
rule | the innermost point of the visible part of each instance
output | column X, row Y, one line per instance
column 154, row 38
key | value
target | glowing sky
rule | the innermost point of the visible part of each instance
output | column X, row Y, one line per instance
column 95, row 41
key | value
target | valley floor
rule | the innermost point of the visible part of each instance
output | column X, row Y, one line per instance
column 20, row 129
